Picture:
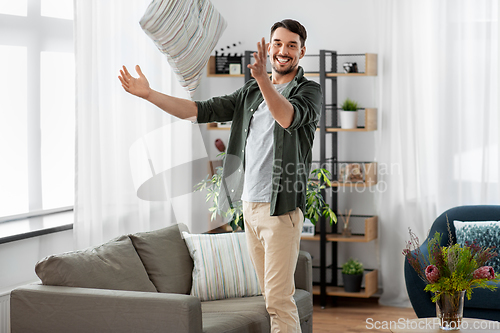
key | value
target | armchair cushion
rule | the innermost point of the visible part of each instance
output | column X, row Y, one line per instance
column 113, row 265
column 484, row 233
column 166, row 258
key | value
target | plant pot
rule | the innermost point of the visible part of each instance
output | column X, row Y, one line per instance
column 450, row 310
column 352, row 283
column 348, row 119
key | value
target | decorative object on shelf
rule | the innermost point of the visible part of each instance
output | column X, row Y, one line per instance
column 346, row 232
column 350, row 67
column 224, row 125
column 315, row 203
column 229, row 63
column 450, row 271
column 355, row 173
column 220, row 145
column 308, row 229
column 352, row 275
column 349, row 114
column 235, row 69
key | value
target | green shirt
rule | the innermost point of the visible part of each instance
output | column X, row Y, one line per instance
column 292, row 146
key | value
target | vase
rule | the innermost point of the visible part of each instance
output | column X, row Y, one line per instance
column 352, row 283
column 348, row 119
column 450, row 310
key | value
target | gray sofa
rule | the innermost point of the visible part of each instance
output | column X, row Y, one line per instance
column 139, row 283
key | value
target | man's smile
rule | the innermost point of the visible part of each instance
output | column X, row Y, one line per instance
column 283, row 60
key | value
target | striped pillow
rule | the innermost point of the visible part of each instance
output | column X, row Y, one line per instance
column 222, row 266
column 186, row 31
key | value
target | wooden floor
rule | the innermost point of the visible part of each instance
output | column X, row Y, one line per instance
column 356, row 315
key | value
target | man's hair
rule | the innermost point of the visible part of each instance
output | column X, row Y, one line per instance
column 294, row 27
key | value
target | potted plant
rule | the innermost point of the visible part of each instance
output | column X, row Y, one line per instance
column 212, row 186
column 352, row 275
column 349, row 114
column 315, row 204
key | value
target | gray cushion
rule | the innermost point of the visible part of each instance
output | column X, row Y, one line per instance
column 166, row 258
column 113, row 265
column 248, row 314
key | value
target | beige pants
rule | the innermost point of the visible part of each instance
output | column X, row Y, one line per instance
column 273, row 243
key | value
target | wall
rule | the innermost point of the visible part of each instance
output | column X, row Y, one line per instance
column 18, row 259
column 343, row 26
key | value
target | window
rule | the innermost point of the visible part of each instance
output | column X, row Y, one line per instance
column 37, row 106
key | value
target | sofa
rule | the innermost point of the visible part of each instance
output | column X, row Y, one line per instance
column 139, row 283
column 484, row 304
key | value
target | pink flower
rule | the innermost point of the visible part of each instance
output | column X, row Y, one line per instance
column 485, row 272
column 432, row 273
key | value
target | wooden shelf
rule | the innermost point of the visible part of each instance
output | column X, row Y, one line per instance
column 371, row 287
column 211, row 70
column 370, row 123
column 370, row 69
column 371, row 233
column 215, row 126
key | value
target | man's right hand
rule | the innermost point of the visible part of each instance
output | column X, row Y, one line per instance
column 136, row 86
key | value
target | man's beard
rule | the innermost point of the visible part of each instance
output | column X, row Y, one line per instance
column 284, row 71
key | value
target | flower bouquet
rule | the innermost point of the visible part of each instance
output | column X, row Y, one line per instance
column 450, row 272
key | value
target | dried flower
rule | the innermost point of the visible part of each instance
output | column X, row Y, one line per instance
column 485, row 272
column 432, row 273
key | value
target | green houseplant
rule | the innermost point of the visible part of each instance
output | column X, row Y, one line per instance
column 349, row 114
column 315, row 204
column 352, row 275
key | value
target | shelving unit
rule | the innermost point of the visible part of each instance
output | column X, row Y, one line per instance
column 329, row 70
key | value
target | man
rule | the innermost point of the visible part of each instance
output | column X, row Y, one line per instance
column 273, row 125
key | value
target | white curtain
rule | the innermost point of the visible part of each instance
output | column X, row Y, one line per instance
column 438, row 141
column 110, row 122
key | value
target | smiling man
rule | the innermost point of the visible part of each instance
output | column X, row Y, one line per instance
column 272, row 132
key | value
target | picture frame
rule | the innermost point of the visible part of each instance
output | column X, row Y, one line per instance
column 355, row 173
column 234, row 69
column 308, row 229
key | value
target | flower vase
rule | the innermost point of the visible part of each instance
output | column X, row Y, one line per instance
column 450, row 310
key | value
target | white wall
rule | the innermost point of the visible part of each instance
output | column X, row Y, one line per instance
column 337, row 25
column 18, row 259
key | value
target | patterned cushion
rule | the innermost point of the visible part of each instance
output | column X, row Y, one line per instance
column 222, row 266
column 485, row 233
column 186, row 31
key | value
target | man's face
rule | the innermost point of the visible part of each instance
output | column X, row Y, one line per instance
column 285, row 51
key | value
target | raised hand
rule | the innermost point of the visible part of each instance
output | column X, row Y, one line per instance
column 136, row 86
column 258, row 68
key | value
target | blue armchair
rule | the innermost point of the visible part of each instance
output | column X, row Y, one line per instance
column 484, row 304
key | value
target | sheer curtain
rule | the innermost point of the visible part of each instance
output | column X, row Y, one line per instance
column 438, row 137
column 110, row 122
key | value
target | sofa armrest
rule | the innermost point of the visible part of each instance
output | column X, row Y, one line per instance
column 303, row 272
column 39, row 308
